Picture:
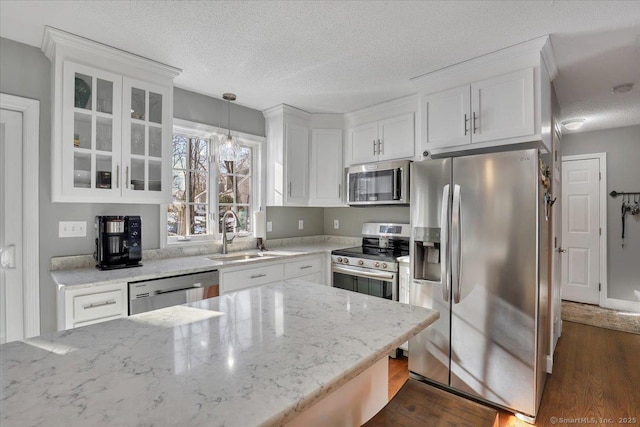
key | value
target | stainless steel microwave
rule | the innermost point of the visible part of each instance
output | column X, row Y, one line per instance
column 383, row 183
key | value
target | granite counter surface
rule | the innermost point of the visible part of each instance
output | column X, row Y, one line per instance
column 157, row 268
column 254, row 357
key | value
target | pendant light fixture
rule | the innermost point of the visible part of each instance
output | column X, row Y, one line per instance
column 228, row 143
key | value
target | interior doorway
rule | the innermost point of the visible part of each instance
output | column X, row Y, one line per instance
column 584, row 228
column 19, row 252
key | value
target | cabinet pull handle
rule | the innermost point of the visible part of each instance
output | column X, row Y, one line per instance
column 474, row 122
column 339, row 190
column 304, row 267
column 102, row 304
column 256, row 276
column 374, row 147
column 126, row 177
column 466, row 120
column 379, row 146
column 118, row 175
column 289, row 190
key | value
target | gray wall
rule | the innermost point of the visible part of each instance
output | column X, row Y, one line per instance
column 285, row 221
column 351, row 219
column 622, row 146
column 26, row 72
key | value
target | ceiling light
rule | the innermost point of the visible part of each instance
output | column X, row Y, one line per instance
column 228, row 143
column 623, row 88
column 574, row 124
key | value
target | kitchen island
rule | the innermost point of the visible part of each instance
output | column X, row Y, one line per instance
column 271, row 355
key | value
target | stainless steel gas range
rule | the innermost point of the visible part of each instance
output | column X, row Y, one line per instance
column 372, row 268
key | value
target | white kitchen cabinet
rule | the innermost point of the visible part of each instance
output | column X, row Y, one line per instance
column 86, row 306
column 242, row 277
column 309, row 268
column 287, row 130
column 326, row 171
column 386, row 139
column 497, row 108
column 112, row 123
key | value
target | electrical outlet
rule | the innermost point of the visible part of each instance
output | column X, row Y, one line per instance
column 300, row 224
column 72, row 228
column 336, row 224
column 269, row 226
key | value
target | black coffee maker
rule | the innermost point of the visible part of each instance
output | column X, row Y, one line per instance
column 118, row 242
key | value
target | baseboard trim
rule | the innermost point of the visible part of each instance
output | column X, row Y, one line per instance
column 549, row 364
column 621, row 304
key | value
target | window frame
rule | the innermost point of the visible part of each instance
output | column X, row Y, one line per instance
column 213, row 133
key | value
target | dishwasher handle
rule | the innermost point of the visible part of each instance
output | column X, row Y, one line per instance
column 168, row 291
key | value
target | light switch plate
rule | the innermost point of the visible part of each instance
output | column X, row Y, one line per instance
column 72, row 228
column 300, row 224
column 269, row 226
column 336, row 224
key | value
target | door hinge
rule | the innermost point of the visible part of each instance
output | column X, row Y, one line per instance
column 555, row 242
column 599, row 176
column 599, row 287
column 600, row 231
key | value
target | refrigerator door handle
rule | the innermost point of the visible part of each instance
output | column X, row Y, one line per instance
column 444, row 244
column 457, row 244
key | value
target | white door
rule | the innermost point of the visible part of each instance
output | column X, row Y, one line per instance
column 364, row 143
column 502, row 107
column 396, row 137
column 297, row 161
column 447, row 118
column 581, row 230
column 11, row 301
column 326, row 168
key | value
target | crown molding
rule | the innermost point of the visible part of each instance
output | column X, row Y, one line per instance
column 53, row 39
column 532, row 48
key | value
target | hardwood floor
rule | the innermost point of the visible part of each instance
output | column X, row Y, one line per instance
column 595, row 381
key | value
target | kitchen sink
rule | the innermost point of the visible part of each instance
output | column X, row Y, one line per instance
column 248, row 256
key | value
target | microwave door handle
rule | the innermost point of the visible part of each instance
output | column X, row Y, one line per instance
column 395, row 184
column 444, row 244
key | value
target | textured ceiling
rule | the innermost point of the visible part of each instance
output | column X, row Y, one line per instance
column 330, row 56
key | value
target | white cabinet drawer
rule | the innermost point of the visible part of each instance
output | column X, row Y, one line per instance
column 97, row 306
column 313, row 278
column 246, row 278
column 303, row 267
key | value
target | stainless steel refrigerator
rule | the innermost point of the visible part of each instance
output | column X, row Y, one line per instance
column 479, row 255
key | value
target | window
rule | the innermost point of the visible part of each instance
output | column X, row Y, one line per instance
column 206, row 180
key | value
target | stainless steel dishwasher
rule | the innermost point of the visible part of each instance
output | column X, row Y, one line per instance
column 147, row 295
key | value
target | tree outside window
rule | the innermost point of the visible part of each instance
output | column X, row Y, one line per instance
column 195, row 177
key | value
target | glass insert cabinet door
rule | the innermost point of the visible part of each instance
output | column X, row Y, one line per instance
column 91, row 130
column 144, row 140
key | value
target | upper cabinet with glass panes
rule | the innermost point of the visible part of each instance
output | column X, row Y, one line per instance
column 112, row 121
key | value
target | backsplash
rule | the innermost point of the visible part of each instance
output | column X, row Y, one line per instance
column 87, row 261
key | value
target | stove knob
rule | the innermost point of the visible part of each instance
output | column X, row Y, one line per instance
column 346, row 260
column 376, row 265
column 339, row 259
column 361, row 262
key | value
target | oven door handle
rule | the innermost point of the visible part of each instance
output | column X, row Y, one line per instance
column 362, row 273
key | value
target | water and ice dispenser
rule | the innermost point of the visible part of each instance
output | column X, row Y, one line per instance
column 427, row 254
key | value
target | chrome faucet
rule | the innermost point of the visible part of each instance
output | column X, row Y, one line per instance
column 225, row 241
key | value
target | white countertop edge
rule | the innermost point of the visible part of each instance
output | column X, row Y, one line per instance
column 288, row 414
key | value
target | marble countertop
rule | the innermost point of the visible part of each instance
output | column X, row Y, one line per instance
column 157, row 268
column 254, row 357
